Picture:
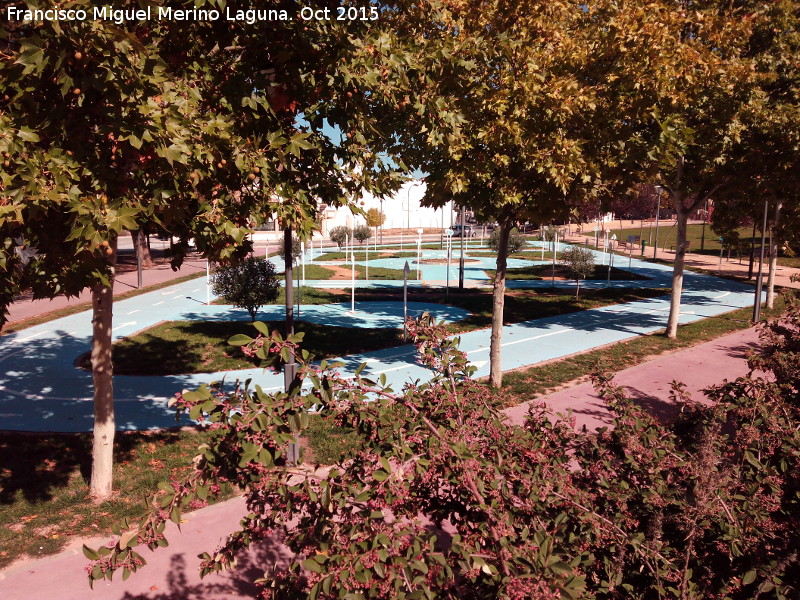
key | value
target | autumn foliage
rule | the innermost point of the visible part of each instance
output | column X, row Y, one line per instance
column 447, row 500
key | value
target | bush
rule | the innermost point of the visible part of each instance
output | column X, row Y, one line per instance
column 297, row 250
column 447, row 500
column 375, row 218
column 249, row 284
column 362, row 233
column 516, row 241
column 579, row 263
column 340, row 234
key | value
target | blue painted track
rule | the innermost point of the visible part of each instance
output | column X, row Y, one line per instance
column 42, row 390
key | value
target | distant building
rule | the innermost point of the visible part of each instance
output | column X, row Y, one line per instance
column 402, row 210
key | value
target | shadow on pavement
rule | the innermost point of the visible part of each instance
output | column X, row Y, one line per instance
column 183, row 584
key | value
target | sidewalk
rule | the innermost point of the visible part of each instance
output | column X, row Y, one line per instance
column 650, row 383
column 730, row 268
column 172, row 572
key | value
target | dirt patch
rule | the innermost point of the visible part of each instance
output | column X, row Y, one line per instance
column 340, row 272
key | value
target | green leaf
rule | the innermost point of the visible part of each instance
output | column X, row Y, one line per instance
column 239, row 339
column 311, row 565
column 261, row 327
column 749, row 577
column 89, row 553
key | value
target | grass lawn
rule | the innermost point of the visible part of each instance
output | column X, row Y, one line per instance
column 180, row 347
column 535, row 272
column 312, row 271
column 44, row 490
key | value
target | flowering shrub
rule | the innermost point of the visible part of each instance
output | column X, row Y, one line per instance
column 447, row 500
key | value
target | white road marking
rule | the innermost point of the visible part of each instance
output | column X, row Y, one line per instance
column 157, row 303
column 121, row 325
column 30, row 337
column 133, row 311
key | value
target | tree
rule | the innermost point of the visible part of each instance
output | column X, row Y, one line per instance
column 687, row 131
column 514, row 125
column 249, row 284
column 375, row 218
column 189, row 124
column 297, row 250
column 362, row 233
column 516, row 241
column 97, row 140
column 340, row 235
column 580, row 264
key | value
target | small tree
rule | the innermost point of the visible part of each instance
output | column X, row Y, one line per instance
column 297, row 250
column 516, row 241
column 580, row 264
column 362, row 233
column 340, row 234
column 375, row 218
column 249, row 284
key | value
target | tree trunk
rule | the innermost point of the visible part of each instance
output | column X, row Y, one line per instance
column 773, row 255
column 498, row 299
column 102, row 371
column 142, row 248
column 682, row 216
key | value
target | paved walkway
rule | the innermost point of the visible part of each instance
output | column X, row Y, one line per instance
column 650, row 383
column 731, row 268
column 172, row 573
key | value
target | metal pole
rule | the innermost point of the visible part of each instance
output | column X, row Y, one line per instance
column 461, row 259
column 759, row 283
column 405, row 300
column 447, row 280
column 208, row 282
column 703, row 235
column 353, row 278
column 303, row 260
column 382, row 220
column 139, row 244
column 555, row 241
column 290, row 368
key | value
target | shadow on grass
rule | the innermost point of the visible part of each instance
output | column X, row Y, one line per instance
column 183, row 347
column 35, row 466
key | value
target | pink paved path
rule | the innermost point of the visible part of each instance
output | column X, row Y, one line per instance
column 172, row 572
column 650, row 383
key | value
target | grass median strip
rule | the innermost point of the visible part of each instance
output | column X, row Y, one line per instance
column 181, row 347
